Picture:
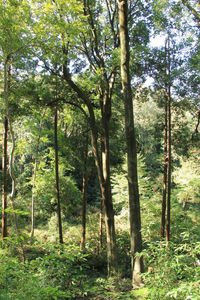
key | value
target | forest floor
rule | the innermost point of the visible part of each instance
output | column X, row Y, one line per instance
column 41, row 269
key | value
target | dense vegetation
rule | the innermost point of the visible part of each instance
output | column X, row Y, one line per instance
column 100, row 177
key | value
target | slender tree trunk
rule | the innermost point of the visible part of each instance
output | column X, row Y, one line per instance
column 168, row 139
column 84, row 196
column 134, row 203
column 57, row 176
column 84, row 209
column 104, row 181
column 101, row 221
column 5, row 151
column 104, row 186
column 5, row 174
column 168, row 220
column 34, row 175
column 33, row 199
column 165, row 171
column 12, row 173
column 107, row 195
column 11, row 155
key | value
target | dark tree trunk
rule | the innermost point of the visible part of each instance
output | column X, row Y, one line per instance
column 134, row 203
column 5, row 149
column 34, row 175
column 101, row 222
column 168, row 220
column 84, row 196
column 104, row 184
column 57, row 176
column 166, row 204
column 104, row 181
column 5, row 179
column 107, row 195
column 165, row 171
column 33, row 199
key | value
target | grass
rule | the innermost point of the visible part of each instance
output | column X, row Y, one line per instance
column 77, row 275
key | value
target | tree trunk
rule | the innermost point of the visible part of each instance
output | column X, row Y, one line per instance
column 34, row 175
column 12, row 174
column 33, row 199
column 5, row 175
column 168, row 121
column 168, row 221
column 5, row 151
column 165, row 171
column 84, row 209
column 57, row 176
column 107, row 195
column 134, row 203
column 104, row 181
column 101, row 221
column 84, row 197
column 104, row 186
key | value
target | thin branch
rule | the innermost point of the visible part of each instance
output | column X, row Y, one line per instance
column 194, row 12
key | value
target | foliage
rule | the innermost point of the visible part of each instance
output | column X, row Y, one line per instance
column 46, row 195
column 178, row 278
column 59, row 274
column 43, row 40
column 187, row 177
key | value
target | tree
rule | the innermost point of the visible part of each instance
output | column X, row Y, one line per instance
column 57, row 175
column 11, row 50
column 84, row 192
column 134, row 202
column 193, row 9
column 61, row 49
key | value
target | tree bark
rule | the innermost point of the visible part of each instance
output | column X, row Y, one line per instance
column 34, row 175
column 57, row 176
column 134, row 202
column 101, row 222
column 165, row 171
column 5, row 175
column 103, row 167
column 168, row 220
column 166, row 200
column 12, row 173
column 169, row 159
column 105, row 187
column 33, row 200
column 107, row 199
column 84, row 196
column 5, row 151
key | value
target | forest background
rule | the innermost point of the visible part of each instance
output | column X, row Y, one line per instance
column 96, row 203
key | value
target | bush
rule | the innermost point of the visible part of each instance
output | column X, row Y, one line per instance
column 172, row 272
column 45, row 194
column 59, row 274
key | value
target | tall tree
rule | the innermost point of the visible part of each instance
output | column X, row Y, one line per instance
column 12, row 47
column 57, row 176
column 134, row 201
column 84, row 192
column 63, row 36
column 166, row 201
column 5, row 155
column 169, row 159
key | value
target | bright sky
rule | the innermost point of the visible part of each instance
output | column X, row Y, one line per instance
column 158, row 41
